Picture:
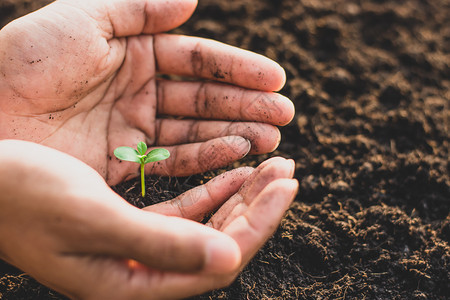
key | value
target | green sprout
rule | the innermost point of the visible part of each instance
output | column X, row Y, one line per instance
column 139, row 156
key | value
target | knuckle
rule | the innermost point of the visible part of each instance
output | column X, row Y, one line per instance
column 197, row 60
column 201, row 100
column 171, row 163
column 193, row 131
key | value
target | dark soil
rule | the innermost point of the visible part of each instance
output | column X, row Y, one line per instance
column 371, row 84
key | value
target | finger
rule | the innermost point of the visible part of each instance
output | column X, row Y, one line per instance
column 111, row 278
column 120, row 18
column 195, row 158
column 264, row 138
column 174, row 244
column 222, row 102
column 252, row 229
column 273, row 169
column 208, row 59
column 157, row 241
column 196, row 203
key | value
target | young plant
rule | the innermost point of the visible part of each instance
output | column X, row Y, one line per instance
column 139, row 156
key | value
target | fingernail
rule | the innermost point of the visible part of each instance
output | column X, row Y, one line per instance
column 295, row 186
column 278, row 141
column 249, row 147
column 222, row 255
column 292, row 167
column 238, row 144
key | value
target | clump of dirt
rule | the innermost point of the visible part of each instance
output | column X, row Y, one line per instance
column 370, row 81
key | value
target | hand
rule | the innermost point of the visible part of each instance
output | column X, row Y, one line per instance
column 71, row 232
column 82, row 77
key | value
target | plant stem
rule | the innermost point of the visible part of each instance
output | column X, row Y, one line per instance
column 142, row 180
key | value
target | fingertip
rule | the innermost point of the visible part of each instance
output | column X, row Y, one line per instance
column 181, row 11
column 292, row 162
column 136, row 17
column 276, row 160
column 276, row 142
column 249, row 147
column 294, row 185
column 237, row 144
column 285, row 188
column 194, row 3
column 279, row 77
column 273, row 75
column 279, row 167
column 290, row 189
column 190, row 7
column 288, row 109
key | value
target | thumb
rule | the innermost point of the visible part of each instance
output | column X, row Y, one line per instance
column 168, row 243
column 121, row 18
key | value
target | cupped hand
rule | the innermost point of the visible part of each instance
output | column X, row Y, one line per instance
column 82, row 77
column 71, row 232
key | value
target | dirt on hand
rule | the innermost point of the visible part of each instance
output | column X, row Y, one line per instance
column 371, row 85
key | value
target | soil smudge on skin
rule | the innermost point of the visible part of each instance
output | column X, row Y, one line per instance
column 370, row 81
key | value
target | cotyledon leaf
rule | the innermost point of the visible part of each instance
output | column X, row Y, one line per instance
column 157, row 155
column 127, row 153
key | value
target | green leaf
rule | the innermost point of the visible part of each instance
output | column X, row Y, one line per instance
column 157, row 155
column 127, row 153
column 142, row 148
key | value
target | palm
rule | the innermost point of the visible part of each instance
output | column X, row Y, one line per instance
column 81, row 97
column 87, row 87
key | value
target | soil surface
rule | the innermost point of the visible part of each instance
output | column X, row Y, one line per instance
column 371, row 85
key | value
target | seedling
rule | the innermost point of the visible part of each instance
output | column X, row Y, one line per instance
column 139, row 156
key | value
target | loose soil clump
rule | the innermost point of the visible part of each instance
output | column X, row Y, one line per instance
column 371, row 85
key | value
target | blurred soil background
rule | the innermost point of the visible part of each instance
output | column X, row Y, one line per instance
column 371, row 84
